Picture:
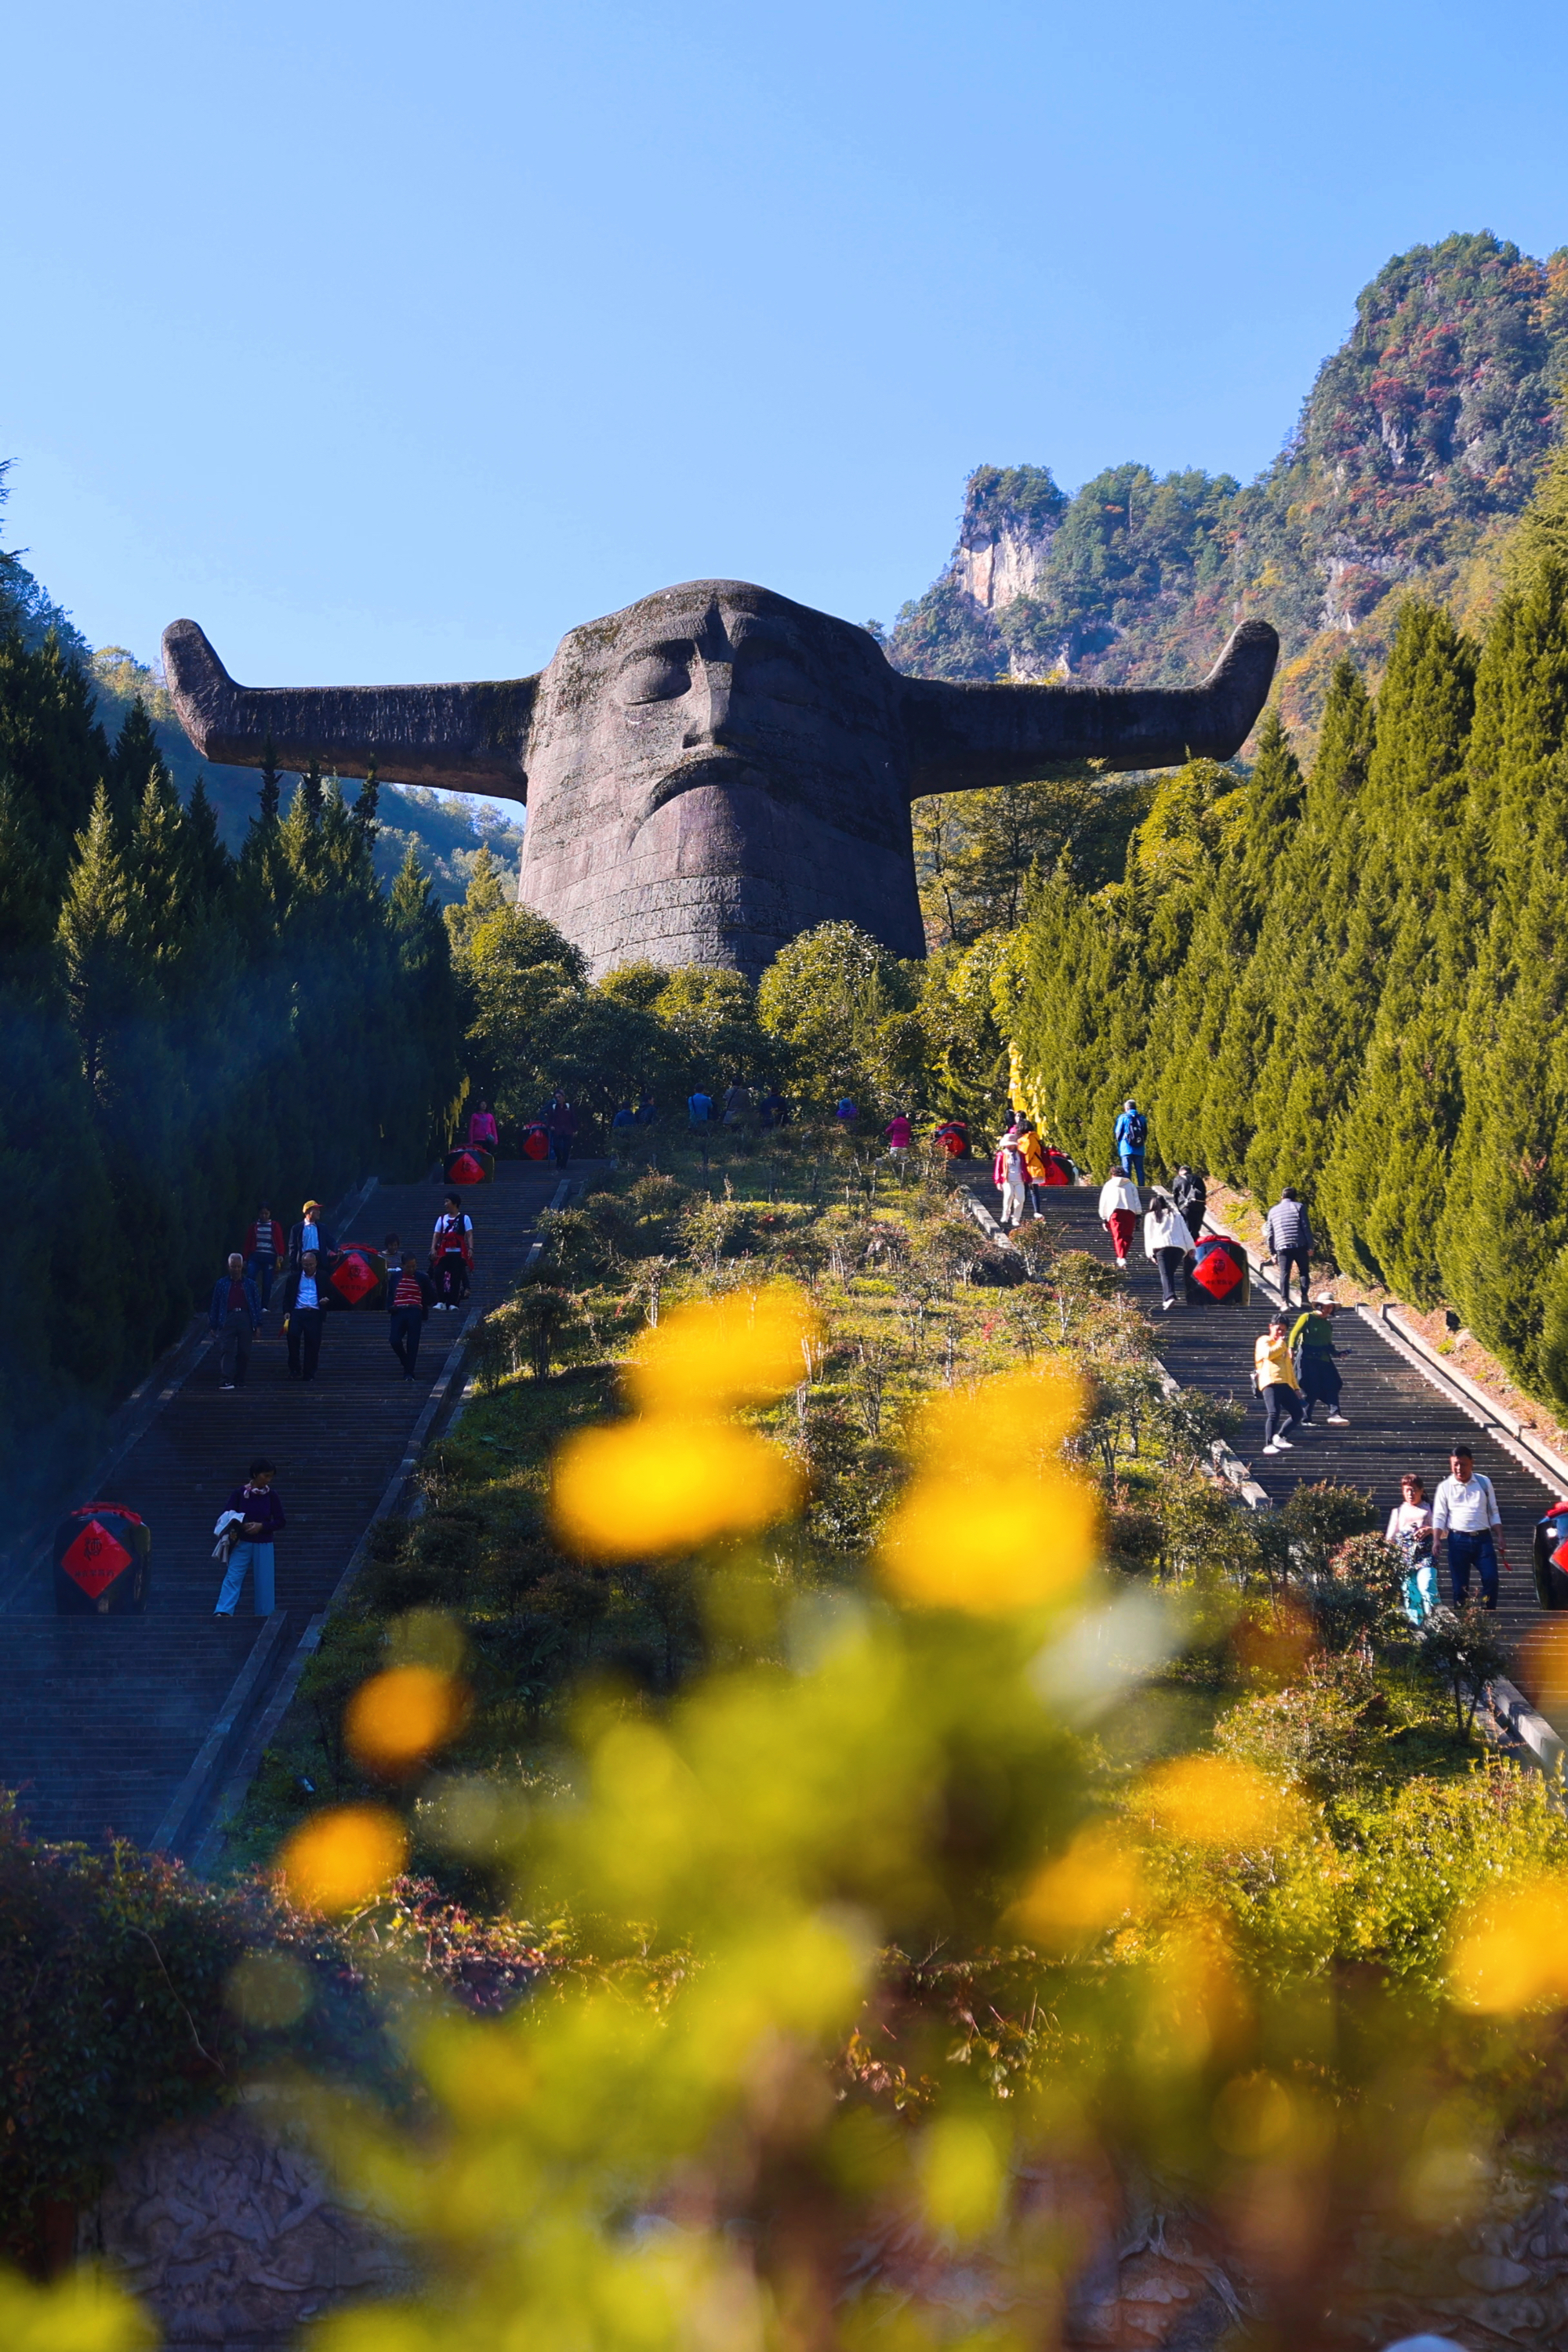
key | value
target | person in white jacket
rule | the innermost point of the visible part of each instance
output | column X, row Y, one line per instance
column 1167, row 1241
column 1119, row 1206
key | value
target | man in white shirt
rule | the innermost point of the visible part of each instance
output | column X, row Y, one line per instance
column 302, row 1318
column 1465, row 1514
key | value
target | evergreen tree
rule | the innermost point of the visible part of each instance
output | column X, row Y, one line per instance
column 104, row 977
column 366, row 804
column 429, row 1020
column 134, row 763
column 271, row 791
column 1384, row 1189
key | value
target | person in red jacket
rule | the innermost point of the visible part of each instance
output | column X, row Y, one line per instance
column 264, row 1252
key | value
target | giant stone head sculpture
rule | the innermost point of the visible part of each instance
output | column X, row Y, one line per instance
column 716, row 768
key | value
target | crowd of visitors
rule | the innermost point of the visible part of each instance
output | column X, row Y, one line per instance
column 1296, row 1373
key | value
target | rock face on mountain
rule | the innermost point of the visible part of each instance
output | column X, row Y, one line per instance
column 1415, row 451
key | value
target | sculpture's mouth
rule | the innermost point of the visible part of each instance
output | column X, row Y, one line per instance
column 706, row 767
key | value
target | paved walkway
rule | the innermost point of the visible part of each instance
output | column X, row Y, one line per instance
column 102, row 1718
column 1398, row 1420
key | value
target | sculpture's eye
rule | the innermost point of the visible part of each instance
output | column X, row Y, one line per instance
column 657, row 678
column 779, row 678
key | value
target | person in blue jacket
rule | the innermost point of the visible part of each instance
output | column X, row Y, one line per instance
column 234, row 1312
column 1131, row 1135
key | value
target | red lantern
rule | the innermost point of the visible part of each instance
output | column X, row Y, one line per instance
column 471, row 1166
column 102, row 1559
column 358, row 1278
column 1218, row 1274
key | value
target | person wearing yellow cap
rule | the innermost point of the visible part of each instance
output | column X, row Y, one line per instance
column 310, row 1233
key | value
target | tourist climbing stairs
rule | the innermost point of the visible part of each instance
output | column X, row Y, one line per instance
column 1399, row 1420
column 124, row 1726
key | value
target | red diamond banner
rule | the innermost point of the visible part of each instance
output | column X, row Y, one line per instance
column 353, row 1278
column 95, row 1559
column 1218, row 1272
column 1559, row 1557
column 464, row 1169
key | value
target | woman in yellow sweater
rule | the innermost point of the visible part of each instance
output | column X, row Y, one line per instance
column 1274, row 1375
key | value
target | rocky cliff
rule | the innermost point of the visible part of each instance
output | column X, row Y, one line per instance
column 1415, row 451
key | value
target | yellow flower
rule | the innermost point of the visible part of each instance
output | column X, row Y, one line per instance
column 397, row 1717
column 341, row 1859
column 744, row 1349
column 1005, row 1424
column 643, row 1487
column 1209, row 1800
column 1091, row 1886
column 1015, row 1542
column 1512, row 1952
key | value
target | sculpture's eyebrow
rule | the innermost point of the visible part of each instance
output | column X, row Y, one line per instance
column 645, row 647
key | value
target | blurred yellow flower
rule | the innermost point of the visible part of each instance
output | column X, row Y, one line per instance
column 1209, row 1800
column 1511, row 1953
column 1091, row 1886
column 641, row 1487
column 397, row 1718
column 963, row 2175
column 341, row 1859
column 1017, row 1418
column 744, row 1349
column 85, row 2311
column 1016, row 1542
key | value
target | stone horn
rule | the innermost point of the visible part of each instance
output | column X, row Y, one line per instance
column 962, row 737
column 469, row 739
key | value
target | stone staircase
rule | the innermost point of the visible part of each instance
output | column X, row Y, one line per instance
column 121, row 1727
column 1399, row 1421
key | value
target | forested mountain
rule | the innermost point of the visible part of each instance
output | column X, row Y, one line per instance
column 1417, row 446
column 1355, row 980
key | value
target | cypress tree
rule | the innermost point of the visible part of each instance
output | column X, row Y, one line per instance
column 1309, row 943
column 366, row 803
column 102, row 974
column 271, row 791
column 135, row 761
column 1383, row 1190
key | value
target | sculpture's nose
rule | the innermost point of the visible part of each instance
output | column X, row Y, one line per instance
column 710, row 692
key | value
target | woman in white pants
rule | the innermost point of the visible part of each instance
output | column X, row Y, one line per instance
column 1011, row 1177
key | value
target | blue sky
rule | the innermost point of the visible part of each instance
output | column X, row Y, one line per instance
column 390, row 341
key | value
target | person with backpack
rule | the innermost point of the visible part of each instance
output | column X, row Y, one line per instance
column 1190, row 1194
column 1119, row 1206
column 1287, row 1238
column 410, row 1295
column 452, row 1254
column 1273, row 1377
column 1167, row 1242
column 1131, row 1137
column 482, row 1132
column 1312, row 1347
